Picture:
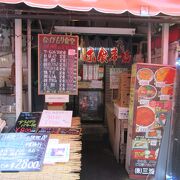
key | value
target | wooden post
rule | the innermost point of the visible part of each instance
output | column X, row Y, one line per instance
column 149, row 42
column 29, row 65
column 165, row 43
column 18, row 65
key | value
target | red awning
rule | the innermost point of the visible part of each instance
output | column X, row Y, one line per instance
column 136, row 7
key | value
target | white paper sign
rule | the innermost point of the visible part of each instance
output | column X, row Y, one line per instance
column 55, row 118
column 115, row 76
column 57, row 153
column 56, row 98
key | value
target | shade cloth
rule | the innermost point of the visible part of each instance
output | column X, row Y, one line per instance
column 136, row 7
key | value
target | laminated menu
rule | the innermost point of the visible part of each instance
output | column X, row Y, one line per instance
column 57, row 64
column 151, row 96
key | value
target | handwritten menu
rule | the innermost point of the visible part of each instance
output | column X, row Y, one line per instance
column 55, row 119
column 27, row 122
column 152, row 97
column 58, row 64
column 22, row 151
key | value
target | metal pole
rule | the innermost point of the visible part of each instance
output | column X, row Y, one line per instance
column 29, row 64
column 165, row 43
column 18, row 65
column 149, row 42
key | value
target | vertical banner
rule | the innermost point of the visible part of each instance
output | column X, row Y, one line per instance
column 57, row 64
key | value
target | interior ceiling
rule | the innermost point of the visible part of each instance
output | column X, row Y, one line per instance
column 45, row 19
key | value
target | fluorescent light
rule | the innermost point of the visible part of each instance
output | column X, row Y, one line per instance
column 94, row 30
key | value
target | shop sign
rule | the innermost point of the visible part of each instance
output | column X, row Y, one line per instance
column 104, row 56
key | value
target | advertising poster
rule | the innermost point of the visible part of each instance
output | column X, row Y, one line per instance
column 91, row 105
column 152, row 97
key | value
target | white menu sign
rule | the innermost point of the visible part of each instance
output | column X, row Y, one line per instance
column 50, row 118
column 114, row 77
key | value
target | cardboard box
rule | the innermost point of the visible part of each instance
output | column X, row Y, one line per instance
column 124, row 98
column 124, row 82
column 121, row 112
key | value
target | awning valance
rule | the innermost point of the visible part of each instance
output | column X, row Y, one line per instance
column 136, row 7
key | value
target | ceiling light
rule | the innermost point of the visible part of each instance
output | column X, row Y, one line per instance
column 94, row 30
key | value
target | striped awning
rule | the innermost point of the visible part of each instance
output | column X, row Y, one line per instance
column 136, row 7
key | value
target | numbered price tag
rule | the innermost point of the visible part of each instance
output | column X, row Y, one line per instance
column 160, row 84
column 164, row 97
column 143, row 82
column 144, row 102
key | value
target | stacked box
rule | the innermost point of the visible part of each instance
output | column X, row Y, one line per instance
column 124, row 89
column 124, row 99
column 124, row 82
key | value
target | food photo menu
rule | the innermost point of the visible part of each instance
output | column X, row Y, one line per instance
column 150, row 108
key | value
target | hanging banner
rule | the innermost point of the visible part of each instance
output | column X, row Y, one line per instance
column 57, row 64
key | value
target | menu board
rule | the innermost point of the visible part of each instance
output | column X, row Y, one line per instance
column 150, row 108
column 22, row 151
column 57, row 64
column 27, row 122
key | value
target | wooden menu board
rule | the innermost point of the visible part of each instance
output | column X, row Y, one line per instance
column 22, row 151
column 27, row 122
column 57, row 64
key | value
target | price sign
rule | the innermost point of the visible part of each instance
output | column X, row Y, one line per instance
column 27, row 122
column 57, row 64
column 22, row 151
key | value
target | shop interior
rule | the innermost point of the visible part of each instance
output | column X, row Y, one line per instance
column 99, row 72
